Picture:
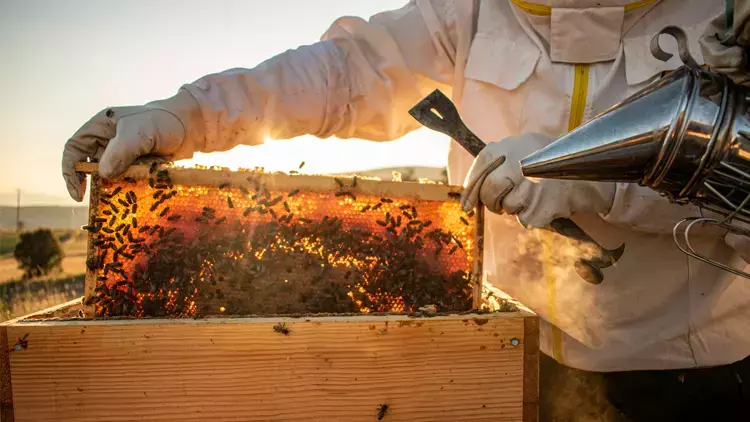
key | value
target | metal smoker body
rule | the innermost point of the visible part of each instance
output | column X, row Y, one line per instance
column 686, row 136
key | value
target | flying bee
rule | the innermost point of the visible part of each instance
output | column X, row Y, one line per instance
column 302, row 164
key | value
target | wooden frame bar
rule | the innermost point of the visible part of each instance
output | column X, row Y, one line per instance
column 473, row 367
column 284, row 181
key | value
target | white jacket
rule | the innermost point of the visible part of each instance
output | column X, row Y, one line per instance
column 656, row 309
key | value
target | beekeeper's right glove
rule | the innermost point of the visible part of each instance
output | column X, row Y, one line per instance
column 117, row 136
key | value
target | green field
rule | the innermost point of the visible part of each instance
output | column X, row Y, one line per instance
column 8, row 239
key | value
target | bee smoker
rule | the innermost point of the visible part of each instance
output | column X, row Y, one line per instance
column 687, row 136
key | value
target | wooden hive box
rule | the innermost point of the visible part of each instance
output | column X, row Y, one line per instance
column 268, row 358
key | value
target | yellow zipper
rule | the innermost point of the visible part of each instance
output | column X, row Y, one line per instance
column 577, row 109
column 544, row 10
column 578, row 96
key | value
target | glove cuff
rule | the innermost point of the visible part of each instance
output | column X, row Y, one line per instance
column 187, row 110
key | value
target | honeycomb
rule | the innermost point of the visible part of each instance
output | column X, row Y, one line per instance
column 196, row 242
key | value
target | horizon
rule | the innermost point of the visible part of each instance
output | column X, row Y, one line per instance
column 64, row 62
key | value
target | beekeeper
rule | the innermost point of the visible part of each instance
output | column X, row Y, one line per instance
column 522, row 72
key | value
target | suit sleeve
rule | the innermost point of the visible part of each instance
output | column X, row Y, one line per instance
column 358, row 81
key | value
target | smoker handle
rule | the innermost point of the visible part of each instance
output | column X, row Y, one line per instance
column 437, row 112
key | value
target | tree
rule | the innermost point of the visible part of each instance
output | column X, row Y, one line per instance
column 38, row 253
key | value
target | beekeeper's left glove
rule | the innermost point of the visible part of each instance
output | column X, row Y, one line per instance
column 495, row 178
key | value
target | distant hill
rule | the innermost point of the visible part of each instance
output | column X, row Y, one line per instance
column 29, row 199
column 44, row 216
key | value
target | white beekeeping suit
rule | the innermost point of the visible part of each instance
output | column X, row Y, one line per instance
column 514, row 67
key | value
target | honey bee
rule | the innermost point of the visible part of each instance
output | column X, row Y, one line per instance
column 463, row 220
column 224, row 185
column 229, row 202
column 382, row 410
column 282, row 328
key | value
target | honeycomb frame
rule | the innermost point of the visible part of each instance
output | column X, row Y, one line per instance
column 358, row 194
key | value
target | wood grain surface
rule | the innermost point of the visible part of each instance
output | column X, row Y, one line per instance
column 446, row 368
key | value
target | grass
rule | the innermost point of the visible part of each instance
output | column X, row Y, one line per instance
column 21, row 297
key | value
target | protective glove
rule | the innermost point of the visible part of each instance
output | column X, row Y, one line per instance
column 171, row 129
column 739, row 243
column 495, row 178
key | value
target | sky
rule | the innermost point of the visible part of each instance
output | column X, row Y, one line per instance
column 63, row 61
